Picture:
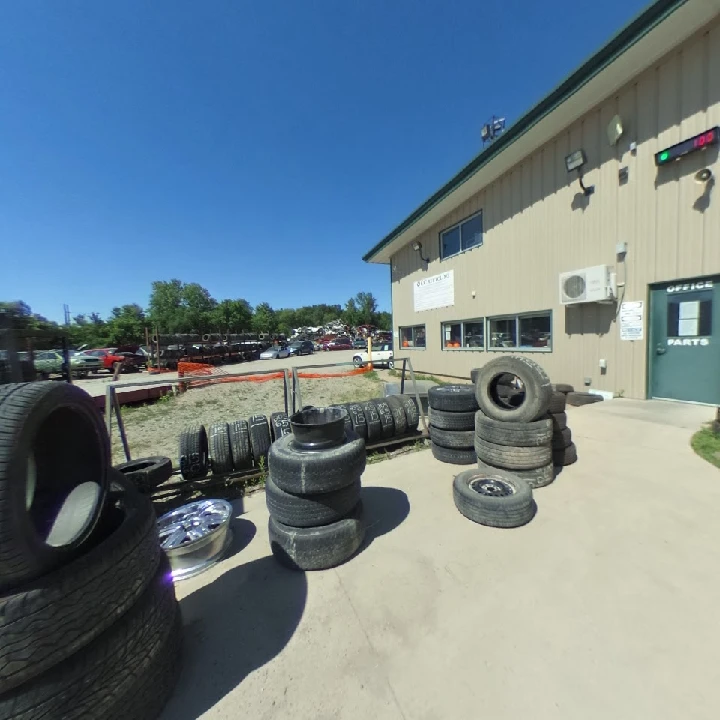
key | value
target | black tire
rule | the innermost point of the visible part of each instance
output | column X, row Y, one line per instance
column 194, row 460
column 221, row 460
column 512, row 457
column 357, row 418
column 412, row 413
column 54, row 460
column 146, row 473
column 563, row 388
column 240, row 444
column 536, row 478
column 452, row 420
column 557, row 403
column 453, row 398
column 398, row 411
column 348, row 421
column 559, row 421
column 372, row 418
column 309, row 472
column 565, row 456
column 279, row 425
column 98, row 681
column 532, row 434
column 45, row 622
column 561, row 439
column 537, row 389
column 453, row 456
column 259, row 438
column 461, row 439
column 317, row 548
column 576, row 399
column 302, row 511
column 496, row 510
column 386, row 418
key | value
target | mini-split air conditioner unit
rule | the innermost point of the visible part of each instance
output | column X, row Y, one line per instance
column 589, row 285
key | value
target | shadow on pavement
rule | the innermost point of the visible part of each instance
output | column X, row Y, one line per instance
column 384, row 509
column 233, row 626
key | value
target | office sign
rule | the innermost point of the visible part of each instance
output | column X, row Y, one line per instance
column 434, row 292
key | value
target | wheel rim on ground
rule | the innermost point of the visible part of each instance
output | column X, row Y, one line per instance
column 492, row 487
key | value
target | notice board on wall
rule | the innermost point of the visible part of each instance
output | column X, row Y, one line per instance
column 434, row 292
column 632, row 320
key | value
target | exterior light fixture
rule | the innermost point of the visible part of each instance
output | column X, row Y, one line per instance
column 575, row 161
column 703, row 176
column 417, row 247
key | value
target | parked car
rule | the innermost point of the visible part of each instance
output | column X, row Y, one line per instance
column 275, row 353
column 382, row 356
column 50, row 362
column 339, row 343
column 301, row 347
column 108, row 357
column 359, row 343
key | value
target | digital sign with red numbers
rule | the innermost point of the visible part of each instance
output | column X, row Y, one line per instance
column 699, row 142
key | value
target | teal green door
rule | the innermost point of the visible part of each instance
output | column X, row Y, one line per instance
column 684, row 351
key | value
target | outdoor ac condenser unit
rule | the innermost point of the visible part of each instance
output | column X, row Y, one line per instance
column 592, row 284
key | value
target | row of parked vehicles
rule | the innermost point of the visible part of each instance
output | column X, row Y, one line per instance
column 82, row 363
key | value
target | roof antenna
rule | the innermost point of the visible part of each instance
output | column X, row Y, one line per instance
column 492, row 129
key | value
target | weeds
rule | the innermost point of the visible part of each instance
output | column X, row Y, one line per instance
column 420, row 376
column 706, row 443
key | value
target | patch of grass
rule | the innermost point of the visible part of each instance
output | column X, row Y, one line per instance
column 372, row 375
column 706, row 443
column 420, row 376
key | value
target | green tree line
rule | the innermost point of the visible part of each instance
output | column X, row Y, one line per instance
column 178, row 307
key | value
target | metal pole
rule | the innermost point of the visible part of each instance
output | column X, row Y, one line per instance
column 285, row 390
column 298, row 392
column 121, row 424
column 108, row 411
column 402, row 377
column 417, row 396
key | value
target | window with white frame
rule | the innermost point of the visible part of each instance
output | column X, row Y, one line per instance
column 466, row 234
column 527, row 331
column 464, row 335
column 412, row 336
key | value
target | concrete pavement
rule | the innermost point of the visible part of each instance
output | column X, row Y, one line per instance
column 602, row 607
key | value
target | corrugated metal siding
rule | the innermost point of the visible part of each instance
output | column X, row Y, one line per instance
column 537, row 224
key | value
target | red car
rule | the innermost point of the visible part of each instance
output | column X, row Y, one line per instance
column 340, row 343
column 110, row 356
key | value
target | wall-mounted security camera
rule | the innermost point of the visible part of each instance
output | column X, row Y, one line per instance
column 575, row 161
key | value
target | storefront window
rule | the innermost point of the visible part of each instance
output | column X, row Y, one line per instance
column 535, row 331
column 466, row 335
column 531, row 331
column 502, row 332
column 413, row 336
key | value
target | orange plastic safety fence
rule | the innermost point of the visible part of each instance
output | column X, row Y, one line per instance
column 191, row 368
column 247, row 378
column 347, row 373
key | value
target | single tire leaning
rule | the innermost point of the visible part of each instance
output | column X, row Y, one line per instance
column 386, row 418
column 317, row 548
column 45, row 622
column 357, row 417
column 279, row 425
column 240, row 444
column 194, row 460
column 536, row 385
column 453, row 398
column 54, row 460
column 309, row 472
column 452, row 420
column 559, row 421
column 146, row 473
column 302, row 511
column 535, row 478
column 454, row 456
column 531, row 434
column 493, row 498
column 260, row 441
column 399, row 418
column 557, row 403
column 372, row 418
column 461, row 439
column 221, row 459
column 412, row 413
column 576, row 399
column 511, row 457
column 97, row 682
column 561, row 439
column 565, row 456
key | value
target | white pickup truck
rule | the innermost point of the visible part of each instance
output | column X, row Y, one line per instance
column 381, row 355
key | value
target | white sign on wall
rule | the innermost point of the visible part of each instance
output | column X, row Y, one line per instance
column 632, row 320
column 434, row 292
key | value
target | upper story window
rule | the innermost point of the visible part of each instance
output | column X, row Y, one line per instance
column 465, row 235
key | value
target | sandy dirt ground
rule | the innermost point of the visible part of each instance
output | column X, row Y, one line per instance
column 154, row 429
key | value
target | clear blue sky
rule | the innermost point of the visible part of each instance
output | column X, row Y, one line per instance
column 258, row 148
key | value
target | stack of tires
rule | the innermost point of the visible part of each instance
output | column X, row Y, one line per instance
column 452, row 423
column 382, row 418
column 563, row 448
column 89, row 625
column 313, row 494
column 513, row 430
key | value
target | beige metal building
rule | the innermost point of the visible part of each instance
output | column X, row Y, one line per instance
column 609, row 274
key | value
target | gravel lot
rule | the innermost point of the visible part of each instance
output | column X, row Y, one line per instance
column 154, row 429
